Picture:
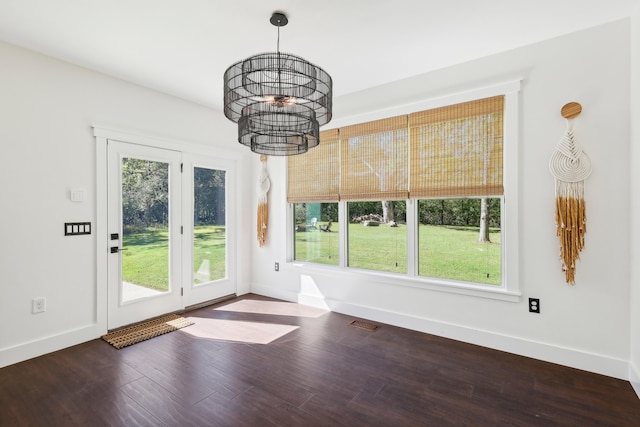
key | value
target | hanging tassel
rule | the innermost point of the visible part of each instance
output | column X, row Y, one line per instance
column 570, row 166
column 571, row 225
column 263, row 217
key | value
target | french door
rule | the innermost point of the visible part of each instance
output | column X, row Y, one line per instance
column 168, row 232
column 209, row 224
column 144, row 215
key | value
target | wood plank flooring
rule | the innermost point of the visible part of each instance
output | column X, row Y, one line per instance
column 255, row 361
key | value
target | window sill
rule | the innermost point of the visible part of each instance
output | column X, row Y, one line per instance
column 427, row 283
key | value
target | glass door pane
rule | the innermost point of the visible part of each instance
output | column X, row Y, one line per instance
column 145, row 240
column 209, row 225
column 145, row 228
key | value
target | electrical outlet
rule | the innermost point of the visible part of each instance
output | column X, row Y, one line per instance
column 534, row 305
column 276, row 267
column 38, row 305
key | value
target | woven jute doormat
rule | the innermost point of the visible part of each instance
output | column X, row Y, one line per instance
column 146, row 330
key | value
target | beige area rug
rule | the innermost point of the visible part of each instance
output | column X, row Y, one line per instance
column 238, row 330
column 146, row 330
column 276, row 308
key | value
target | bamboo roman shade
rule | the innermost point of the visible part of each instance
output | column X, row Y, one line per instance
column 452, row 151
column 456, row 151
column 315, row 176
column 374, row 159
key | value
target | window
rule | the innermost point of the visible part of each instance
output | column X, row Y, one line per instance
column 419, row 195
column 374, row 179
column 313, row 188
column 460, row 239
column 378, row 235
column 316, row 233
column 458, row 151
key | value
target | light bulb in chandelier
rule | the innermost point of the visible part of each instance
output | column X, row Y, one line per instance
column 280, row 100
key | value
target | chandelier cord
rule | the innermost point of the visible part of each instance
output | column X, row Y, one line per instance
column 278, row 42
column 279, row 65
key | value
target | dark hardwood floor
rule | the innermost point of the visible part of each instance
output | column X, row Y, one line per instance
column 318, row 371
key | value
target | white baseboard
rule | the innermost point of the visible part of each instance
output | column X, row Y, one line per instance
column 271, row 292
column 35, row 348
column 600, row 364
column 634, row 378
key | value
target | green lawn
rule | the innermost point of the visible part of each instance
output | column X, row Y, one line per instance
column 444, row 251
column 455, row 253
column 209, row 253
column 381, row 248
column 145, row 261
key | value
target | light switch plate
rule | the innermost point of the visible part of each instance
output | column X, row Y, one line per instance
column 77, row 228
column 78, row 195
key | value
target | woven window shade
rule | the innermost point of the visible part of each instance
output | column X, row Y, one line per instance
column 374, row 159
column 315, row 175
column 457, row 151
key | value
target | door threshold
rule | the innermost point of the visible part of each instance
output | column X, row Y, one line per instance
column 210, row 302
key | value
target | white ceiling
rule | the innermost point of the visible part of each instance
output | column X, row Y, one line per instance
column 182, row 47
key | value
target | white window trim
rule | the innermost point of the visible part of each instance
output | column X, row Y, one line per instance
column 510, row 288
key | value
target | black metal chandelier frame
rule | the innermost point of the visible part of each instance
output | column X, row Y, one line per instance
column 279, row 100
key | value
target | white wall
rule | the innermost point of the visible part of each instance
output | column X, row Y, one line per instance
column 634, row 364
column 47, row 108
column 584, row 326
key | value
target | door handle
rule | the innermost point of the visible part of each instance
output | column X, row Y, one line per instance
column 115, row 249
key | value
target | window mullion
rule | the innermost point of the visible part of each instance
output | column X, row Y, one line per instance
column 290, row 233
column 343, row 220
column 412, row 237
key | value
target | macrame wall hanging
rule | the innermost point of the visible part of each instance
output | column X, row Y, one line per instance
column 263, row 204
column 570, row 166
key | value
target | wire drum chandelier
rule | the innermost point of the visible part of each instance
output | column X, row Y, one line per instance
column 278, row 100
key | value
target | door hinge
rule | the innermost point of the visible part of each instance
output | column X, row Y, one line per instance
column 181, row 167
column 181, row 292
column 181, row 229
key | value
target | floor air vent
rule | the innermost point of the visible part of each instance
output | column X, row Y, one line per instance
column 367, row 326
